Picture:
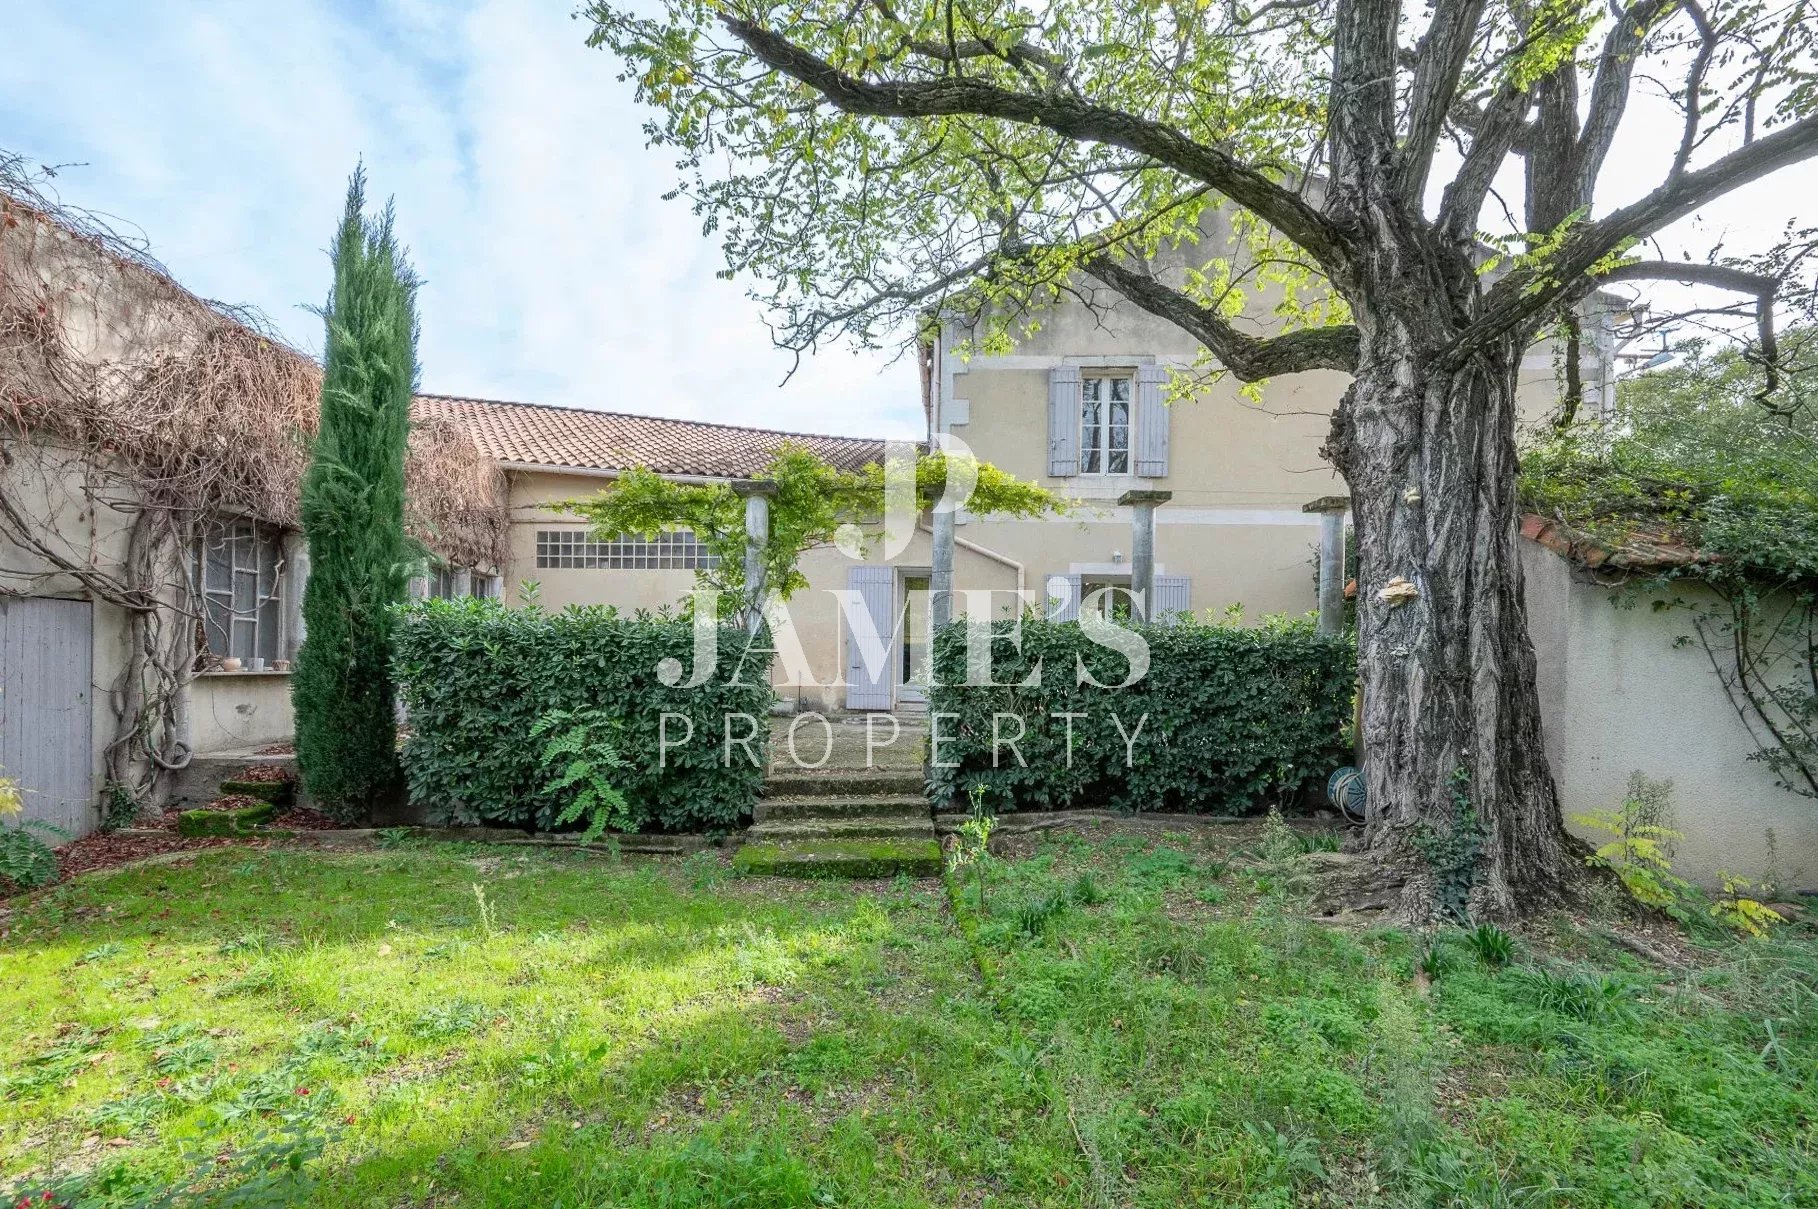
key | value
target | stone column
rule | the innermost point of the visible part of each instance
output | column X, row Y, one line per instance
column 756, row 493
column 1331, row 510
column 940, row 579
column 1142, row 505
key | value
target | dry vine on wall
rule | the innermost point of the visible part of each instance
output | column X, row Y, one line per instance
column 132, row 415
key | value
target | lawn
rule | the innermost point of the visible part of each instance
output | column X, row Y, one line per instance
column 1136, row 1020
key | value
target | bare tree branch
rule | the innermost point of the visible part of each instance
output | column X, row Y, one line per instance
column 1439, row 62
column 1250, row 358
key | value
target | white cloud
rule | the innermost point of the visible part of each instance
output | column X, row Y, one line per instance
column 555, row 271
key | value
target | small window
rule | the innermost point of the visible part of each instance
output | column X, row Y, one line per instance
column 1104, row 425
column 239, row 568
column 577, row 550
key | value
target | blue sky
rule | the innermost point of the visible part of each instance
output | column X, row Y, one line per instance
column 555, row 271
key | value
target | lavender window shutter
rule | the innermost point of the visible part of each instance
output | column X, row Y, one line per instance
column 1063, row 421
column 1151, row 422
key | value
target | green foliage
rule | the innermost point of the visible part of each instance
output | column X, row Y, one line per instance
column 972, row 846
column 583, row 756
column 1451, row 851
column 1694, row 456
column 353, row 518
column 478, row 677
column 813, row 501
column 26, row 861
column 1231, row 719
column 1641, row 850
column 886, row 222
column 1737, row 910
column 1493, row 946
column 118, row 807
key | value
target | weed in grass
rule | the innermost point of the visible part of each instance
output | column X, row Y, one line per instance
column 1086, row 891
column 350, row 1045
column 1034, row 917
column 450, row 1019
column 1587, row 995
column 1494, row 947
column 705, row 871
column 101, row 952
column 184, row 1057
column 246, row 944
column 127, row 1116
column 392, row 838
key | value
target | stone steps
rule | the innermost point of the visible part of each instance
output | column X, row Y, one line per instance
column 845, row 783
column 848, row 828
column 880, row 806
column 842, row 822
column 871, row 857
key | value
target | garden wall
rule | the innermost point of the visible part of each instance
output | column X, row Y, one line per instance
column 475, row 676
column 1228, row 720
column 1621, row 692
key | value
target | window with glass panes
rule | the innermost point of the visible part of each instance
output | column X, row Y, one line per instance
column 576, row 549
column 1104, row 424
column 239, row 568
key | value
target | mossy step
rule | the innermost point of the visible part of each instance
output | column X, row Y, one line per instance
column 266, row 791
column 842, row 784
column 225, row 822
column 901, row 806
column 809, row 829
column 841, row 858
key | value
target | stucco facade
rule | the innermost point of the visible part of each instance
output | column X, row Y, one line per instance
column 1620, row 692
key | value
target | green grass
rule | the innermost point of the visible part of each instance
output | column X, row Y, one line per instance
column 1134, row 1022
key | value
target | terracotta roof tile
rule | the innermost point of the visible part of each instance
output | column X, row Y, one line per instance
column 604, row 440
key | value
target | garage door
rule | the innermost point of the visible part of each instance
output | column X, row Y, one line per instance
column 45, row 714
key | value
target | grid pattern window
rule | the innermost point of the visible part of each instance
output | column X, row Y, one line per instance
column 240, row 568
column 1104, row 424
column 443, row 582
column 577, row 550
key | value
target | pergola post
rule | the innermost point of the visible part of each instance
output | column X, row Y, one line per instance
column 1331, row 510
column 1142, row 505
column 756, row 493
column 940, row 578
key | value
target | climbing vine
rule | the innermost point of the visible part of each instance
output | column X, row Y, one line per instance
column 813, row 502
column 1693, row 482
column 133, row 415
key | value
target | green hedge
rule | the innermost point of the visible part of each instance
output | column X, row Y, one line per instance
column 475, row 676
column 1237, row 718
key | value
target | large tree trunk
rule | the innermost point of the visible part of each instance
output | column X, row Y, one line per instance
column 1463, row 811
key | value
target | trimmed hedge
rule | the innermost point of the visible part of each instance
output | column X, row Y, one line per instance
column 1237, row 718
column 476, row 675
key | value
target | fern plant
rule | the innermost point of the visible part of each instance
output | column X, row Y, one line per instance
column 582, row 753
column 26, row 861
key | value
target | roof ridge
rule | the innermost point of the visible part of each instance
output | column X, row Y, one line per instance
column 633, row 415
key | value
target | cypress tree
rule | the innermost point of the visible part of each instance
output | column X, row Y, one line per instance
column 353, row 518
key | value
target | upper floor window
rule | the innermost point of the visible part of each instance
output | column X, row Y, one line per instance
column 1104, row 424
column 568, row 549
column 239, row 567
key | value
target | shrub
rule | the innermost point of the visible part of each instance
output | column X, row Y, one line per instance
column 1231, row 719
column 477, row 677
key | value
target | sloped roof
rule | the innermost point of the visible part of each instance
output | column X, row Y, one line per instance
column 576, row 438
